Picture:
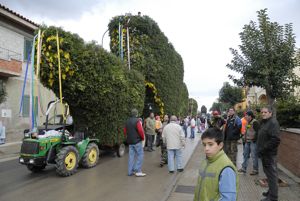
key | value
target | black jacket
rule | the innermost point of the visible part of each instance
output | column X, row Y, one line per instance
column 133, row 136
column 233, row 128
column 268, row 137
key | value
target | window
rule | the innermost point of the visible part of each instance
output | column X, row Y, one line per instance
column 27, row 48
column 26, row 105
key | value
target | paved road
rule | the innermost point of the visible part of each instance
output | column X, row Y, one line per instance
column 105, row 182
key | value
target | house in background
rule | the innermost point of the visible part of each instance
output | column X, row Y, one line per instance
column 16, row 36
column 257, row 95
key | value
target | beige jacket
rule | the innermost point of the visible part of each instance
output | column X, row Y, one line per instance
column 173, row 135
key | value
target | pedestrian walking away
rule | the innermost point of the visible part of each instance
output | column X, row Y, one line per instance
column 217, row 178
column 193, row 126
column 232, row 134
column 267, row 146
column 134, row 133
column 174, row 137
column 250, row 137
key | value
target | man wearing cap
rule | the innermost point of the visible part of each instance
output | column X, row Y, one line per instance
column 134, row 133
column 250, row 138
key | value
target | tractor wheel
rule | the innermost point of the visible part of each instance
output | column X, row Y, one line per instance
column 67, row 161
column 121, row 148
column 34, row 168
column 91, row 156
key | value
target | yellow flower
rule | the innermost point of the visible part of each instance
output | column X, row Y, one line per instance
column 63, row 76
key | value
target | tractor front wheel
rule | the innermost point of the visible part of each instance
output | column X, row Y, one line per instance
column 67, row 161
column 34, row 168
column 91, row 156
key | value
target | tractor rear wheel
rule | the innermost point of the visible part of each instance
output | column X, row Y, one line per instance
column 121, row 148
column 34, row 168
column 67, row 161
column 91, row 156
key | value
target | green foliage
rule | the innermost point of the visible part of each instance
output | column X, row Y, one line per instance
column 203, row 109
column 288, row 112
column 193, row 107
column 231, row 94
column 97, row 86
column 155, row 57
column 267, row 57
column 219, row 106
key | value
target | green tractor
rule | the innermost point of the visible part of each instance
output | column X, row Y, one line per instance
column 54, row 144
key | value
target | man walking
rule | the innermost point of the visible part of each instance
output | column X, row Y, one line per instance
column 174, row 137
column 150, row 131
column 232, row 134
column 193, row 126
column 267, row 145
column 134, row 136
column 250, row 137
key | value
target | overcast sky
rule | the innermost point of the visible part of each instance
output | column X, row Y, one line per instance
column 202, row 31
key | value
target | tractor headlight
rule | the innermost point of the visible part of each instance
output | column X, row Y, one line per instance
column 26, row 135
column 31, row 161
column 21, row 160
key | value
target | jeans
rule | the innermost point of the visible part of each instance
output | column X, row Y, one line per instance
column 192, row 132
column 269, row 163
column 177, row 155
column 185, row 130
column 250, row 147
column 135, row 158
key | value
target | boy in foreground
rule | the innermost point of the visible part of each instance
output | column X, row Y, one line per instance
column 217, row 176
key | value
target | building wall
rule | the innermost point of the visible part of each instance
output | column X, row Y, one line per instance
column 289, row 151
column 13, row 39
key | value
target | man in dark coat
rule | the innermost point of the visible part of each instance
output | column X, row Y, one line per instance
column 267, row 145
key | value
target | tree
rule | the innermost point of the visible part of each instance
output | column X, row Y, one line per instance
column 219, row 106
column 267, row 58
column 231, row 94
column 203, row 109
column 193, row 107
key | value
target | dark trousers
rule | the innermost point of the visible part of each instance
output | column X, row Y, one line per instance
column 150, row 139
column 269, row 164
column 230, row 148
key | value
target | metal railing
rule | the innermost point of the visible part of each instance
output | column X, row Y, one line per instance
column 7, row 54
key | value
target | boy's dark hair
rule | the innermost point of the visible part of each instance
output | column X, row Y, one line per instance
column 213, row 133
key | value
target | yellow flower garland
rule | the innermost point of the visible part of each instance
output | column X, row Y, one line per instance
column 157, row 99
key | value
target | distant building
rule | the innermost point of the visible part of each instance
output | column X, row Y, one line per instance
column 16, row 36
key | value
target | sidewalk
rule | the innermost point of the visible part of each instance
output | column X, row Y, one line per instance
column 183, row 190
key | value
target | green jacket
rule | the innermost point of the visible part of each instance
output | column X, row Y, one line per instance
column 150, row 126
column 207, row 188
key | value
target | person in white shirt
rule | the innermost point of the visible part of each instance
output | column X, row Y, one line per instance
column 174, row 137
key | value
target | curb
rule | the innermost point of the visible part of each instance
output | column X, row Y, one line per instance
column 177, row 177
column 288, row 173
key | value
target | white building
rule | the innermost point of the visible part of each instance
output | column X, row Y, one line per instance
column 16, row 35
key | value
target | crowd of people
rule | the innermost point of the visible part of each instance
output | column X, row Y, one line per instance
column 218, row 175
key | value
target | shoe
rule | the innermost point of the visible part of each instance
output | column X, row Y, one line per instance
column 254, row 172
column 152, row 149
column 171, row 172
column 242, row 170
column 179, row 170
column 265, row 194
column 140, row 174
column 149, row 150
